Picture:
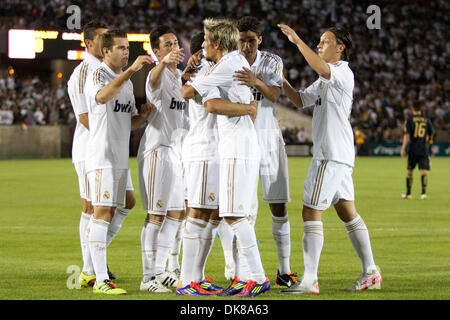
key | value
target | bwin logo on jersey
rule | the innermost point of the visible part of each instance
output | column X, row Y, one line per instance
column 122, row 107
column 179, row 105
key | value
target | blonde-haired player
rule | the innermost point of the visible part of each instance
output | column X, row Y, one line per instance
column 238, row 144
column 201, row 163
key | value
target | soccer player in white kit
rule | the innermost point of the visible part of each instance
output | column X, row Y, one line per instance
column 112, row 115
column 329, row 180
column 238, row 144
column 265, row 78
column 159, row 159
column 76, row 89
column 201, row 163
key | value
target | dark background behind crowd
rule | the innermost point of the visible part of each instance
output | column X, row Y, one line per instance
column 403, row 61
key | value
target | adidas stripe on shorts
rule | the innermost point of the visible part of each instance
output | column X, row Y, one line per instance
column 326, row 183
column 238, row 187
column 202, row 183
column 108, row 187
column 161, row 182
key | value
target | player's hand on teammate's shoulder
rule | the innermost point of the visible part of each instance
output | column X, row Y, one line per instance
column 289, row 33
column 174, row 57
column 194, row 61
column 187, row 76
column 146, row 109
column 140, row 62
column 246, row 77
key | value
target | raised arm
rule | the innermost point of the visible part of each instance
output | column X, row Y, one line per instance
column 317, row 63
column 174, row 57
column 110, row 90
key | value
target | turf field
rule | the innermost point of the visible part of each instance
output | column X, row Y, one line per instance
column 40, row 211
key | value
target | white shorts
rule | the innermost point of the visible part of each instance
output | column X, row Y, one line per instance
column 326, row 183
column 161, row 182
column 202, row 182
column 108, row 187
column 83, row 183
column 238, row 187
column 274, row 175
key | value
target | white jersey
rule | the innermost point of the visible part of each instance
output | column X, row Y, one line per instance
column 267, row 67
column 167, row 124
column 76, row 90
column 237, row 135
column 109, row 123
column 201, row 141
column 332, row 133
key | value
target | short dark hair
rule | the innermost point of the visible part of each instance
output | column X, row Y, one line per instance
column 416, row 106
column 196, row 42
column 343, row 37
column 249, row 23
column 107, row 39
column 158, row 32
column 90, row 27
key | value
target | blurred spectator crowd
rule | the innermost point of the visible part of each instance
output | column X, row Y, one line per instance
column 405, row 60
column 30, row 101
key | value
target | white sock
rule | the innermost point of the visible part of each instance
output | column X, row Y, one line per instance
column 174, row 263
column 281, row 231
column 247, row 242
column 359, row 237
column 116, row 223
column 165, row 242
column 191, row 244
column 149, row 237
column 312, row 248
column 206, row 243
column 226, row 236
column 85, row 219
column 244, row 273
column 97, row 247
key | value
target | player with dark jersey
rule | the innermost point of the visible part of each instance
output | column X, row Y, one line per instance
column 417, row 133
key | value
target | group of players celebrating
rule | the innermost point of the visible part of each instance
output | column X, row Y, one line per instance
column 211, row 135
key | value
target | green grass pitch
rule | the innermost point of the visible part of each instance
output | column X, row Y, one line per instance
column 40, row 211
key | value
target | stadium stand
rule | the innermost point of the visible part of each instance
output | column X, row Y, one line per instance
column 402, row 61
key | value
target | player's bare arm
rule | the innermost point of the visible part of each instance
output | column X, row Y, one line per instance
column 406, row 139
column 292, row 94
column 138, row 120
column 188, row 92
column 231, row 109
column 247, row 78
column 109, row 91
column 173, row 58
column 318, row 64
column 84, row 119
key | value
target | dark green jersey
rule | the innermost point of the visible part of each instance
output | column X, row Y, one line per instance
column 420, row 131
